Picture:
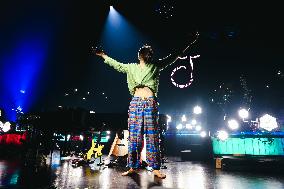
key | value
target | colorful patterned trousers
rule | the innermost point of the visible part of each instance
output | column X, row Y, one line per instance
column 143, row 120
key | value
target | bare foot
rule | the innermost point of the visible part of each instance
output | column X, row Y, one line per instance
column 159, row 174
column 129, row 172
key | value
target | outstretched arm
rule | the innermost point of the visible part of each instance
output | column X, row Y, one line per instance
column 113, row 63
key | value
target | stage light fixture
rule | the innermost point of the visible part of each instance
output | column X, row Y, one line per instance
column 243, row 113
column 198, row 128
column 203, row 134
column 197, row 110
column 188, row 126
column 193, row 122
column 179, row 126
column 233, row 124
column 268, row 122
column 222, row 135
column 81, row 137
column 6, row 127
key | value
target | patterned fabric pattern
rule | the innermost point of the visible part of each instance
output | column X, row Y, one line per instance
column 143, row 119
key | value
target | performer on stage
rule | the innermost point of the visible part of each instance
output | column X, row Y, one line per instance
column 143, row 82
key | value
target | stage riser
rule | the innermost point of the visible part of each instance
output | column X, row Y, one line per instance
column 249, row 146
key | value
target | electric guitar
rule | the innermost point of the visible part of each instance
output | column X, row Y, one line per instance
column 95, row 151
column 96, row 148
column 119, row 146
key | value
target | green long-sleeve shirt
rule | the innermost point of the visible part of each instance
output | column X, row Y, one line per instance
column 137, row 76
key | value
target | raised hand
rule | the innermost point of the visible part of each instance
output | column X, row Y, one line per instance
column 97, row 50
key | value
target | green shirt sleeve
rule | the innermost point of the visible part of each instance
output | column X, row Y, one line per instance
column 116, row 65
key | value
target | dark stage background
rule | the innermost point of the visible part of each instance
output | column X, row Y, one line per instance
column 45, row 58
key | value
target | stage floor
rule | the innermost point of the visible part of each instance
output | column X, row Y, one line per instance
column 180, row 174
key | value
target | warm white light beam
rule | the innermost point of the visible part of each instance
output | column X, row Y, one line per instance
column 198, row 128
column 197, row 110
column 233, row 124
column 6, row 127
column 243, row 113
column 203, row 134
column 268, row 122
column 179, row 126
column 222, row 135
column 188, row 126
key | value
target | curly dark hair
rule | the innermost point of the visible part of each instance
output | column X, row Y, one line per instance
column 146, row 52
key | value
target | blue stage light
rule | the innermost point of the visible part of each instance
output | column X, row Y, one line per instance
column 21, row 68
column 121, row 35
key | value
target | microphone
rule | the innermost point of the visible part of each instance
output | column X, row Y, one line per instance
column 97, row 49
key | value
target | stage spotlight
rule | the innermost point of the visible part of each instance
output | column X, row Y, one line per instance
column 197, row 110
column 108, row 132
column 198, row 128
column 243, row 113
column 183, row 118
column 188, row 126
column 233, row 124
column 6, row 127
column 81, row 137
column 268, row 122
column 179, row 126
column 19, row 108
column 193, row 122
column 203, row 134
column 222, row 135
